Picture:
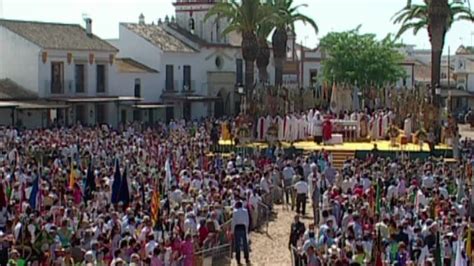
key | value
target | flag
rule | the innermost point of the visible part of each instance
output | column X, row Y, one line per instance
column 334, row 106
column 469, row 243
column 437, row 252
column 377, row 250
column 124, row 194
column 90, row 185
column 116, row 183
column 33, row 200
column 72, row 176
column 155, row 204
column 167, row 175
column 3, row 197
column 459, row 259
column 378, row 198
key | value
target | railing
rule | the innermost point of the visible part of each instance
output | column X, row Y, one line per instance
column 180, row 86
column 62, row 88
column 220, row 255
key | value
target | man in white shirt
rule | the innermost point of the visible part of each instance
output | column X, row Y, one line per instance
column 301, row 188
column 240, row 226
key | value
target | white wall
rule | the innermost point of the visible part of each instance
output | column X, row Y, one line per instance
column 123, row 84
column 19, row 59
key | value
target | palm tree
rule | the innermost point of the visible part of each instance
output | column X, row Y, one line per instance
column 437, row 16
column 244, row 17
column 263, row 56
column 284, row 17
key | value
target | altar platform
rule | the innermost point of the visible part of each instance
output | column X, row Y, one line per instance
column 346, row 150
column 382, row 145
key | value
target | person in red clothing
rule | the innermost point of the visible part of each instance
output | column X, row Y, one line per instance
column 327, row 129
column 203, row 232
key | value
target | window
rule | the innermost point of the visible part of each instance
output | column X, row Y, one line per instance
column 239, row 71
column 187, row 78
column 137, row 89
column 57, row 77
column 404, row 82
column 79, row 78
column 313, row 74
column 169, row 78
column 218, row 35
column 100, row 78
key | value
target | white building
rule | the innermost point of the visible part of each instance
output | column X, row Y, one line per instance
column 64, row 63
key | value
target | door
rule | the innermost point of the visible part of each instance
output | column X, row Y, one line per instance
column 81, row 114
column 100, row 111
column 138, row 88
column 187, row 111
column 170, row 78
column 57, row 77
column 169, row 114
column 123, row 116
column 187, row 78
column 219, row 107
column 151, row 116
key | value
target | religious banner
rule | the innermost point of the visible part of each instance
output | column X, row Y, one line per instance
column 69, row 58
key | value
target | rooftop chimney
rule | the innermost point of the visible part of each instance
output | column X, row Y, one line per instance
column 141, row 19
column 88, row 26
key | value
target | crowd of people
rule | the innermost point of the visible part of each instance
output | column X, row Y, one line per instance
column 158, row 196
column 382, row 212
column 133, row 196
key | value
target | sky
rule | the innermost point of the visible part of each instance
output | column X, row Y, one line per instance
column 330, row 15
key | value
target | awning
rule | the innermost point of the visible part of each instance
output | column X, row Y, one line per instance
column 32, row 105
column 151, row 106
column 99, row 99
column 189, row 98
column 44, row 105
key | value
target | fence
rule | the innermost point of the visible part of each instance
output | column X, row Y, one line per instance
column 220, row 255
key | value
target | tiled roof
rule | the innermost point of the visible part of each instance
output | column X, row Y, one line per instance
column 57, row 36
column 128, row 65
column 9, row 90
column 159, row 37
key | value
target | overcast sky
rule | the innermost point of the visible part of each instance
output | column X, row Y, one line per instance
column 330, row 15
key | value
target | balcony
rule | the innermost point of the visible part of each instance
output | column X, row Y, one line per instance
column 62, row 88
column 180, row 86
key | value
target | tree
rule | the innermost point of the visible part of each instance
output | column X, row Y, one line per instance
column 244, row 17
column 360, row 58
column 284, row 16
column 263, row 56
column 437, row 16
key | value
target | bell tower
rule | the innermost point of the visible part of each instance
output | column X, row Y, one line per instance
column 190, row 15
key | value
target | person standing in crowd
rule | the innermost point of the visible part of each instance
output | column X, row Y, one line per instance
column 301, row 188
column 240, row 226
column 296, row 231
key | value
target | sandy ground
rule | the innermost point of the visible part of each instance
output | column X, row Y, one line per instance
column 272, row 249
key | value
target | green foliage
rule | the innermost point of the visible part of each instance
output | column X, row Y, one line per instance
column 244, row 15
column 416, row 16
column 360, row 58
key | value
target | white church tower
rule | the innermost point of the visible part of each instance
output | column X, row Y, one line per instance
column 190, row 15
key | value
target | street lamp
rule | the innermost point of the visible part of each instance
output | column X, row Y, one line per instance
column 243, row 98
